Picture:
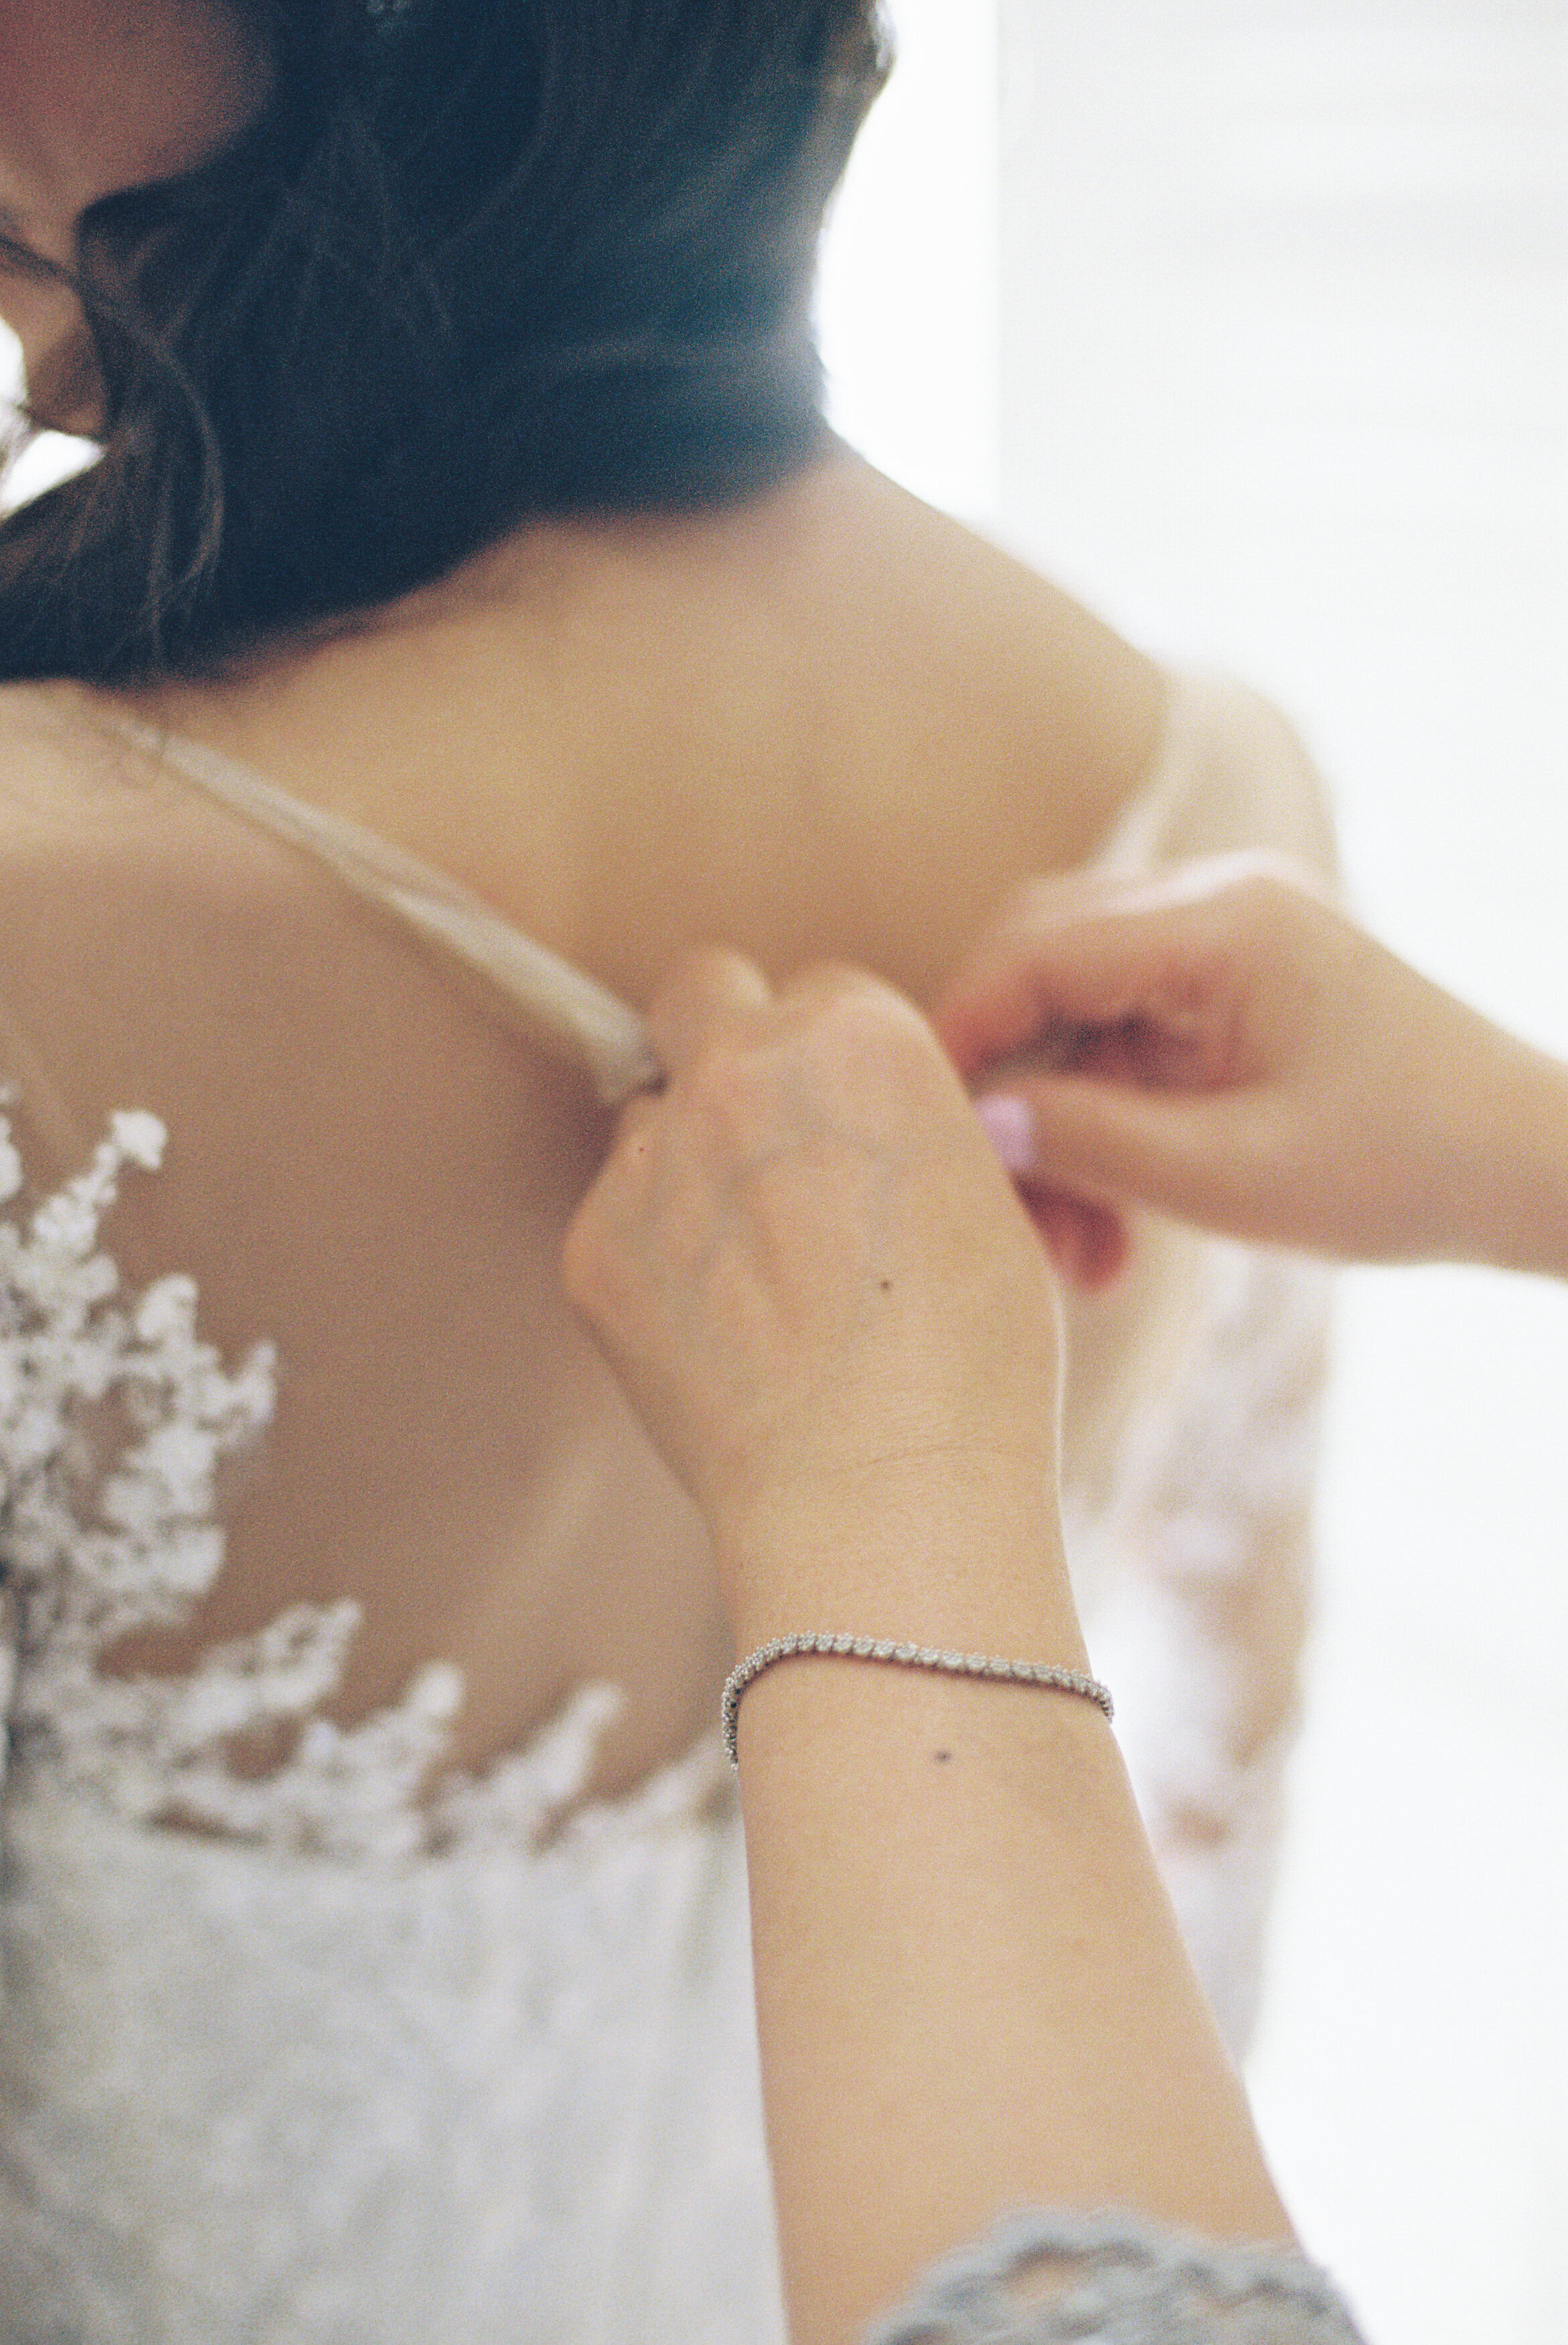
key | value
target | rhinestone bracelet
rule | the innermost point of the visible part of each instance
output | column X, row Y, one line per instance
column 912, row 1657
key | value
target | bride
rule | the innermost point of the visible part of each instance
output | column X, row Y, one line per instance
column 467, row 610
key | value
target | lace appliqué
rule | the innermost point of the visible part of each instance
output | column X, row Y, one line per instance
column 115, row 1417
column 1204, row 1532
column 1117, row 2280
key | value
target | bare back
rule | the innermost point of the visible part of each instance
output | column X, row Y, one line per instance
column 829, row 724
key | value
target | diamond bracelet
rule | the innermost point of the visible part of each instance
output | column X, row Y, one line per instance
column 912, row 1657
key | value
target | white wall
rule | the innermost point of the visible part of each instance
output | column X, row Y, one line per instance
column 907, row 305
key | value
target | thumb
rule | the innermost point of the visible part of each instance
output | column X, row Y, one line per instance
column 1112, row 1143
column 706, row 990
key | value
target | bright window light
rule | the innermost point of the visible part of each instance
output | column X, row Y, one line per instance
column 909, row 304
column 52, row 456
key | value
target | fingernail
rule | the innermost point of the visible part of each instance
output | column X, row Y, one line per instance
column 1011, row 1127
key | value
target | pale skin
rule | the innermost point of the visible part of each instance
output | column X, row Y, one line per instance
column 822, row 722
column 806, row 1279
column 810, row 1273
column 1225, row 1044
column 811, row 1288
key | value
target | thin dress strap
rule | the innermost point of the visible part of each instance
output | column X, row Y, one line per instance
column 554, row 1002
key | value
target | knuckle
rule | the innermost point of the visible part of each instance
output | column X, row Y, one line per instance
column 867, row 1028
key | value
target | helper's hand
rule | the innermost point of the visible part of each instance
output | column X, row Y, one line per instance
column 813, row 1279
column 820, row 1291
column 1222, row 1043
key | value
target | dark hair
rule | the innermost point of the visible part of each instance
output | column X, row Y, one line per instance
column 477, row 261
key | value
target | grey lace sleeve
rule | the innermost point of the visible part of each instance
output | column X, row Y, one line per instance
column 1110, row 2279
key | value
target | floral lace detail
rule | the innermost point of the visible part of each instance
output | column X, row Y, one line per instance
column 257, row 2078
column 1206, row 1524
column 1117, row 2280
column 94, row 1546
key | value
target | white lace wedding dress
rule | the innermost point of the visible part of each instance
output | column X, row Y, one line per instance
column 319, row 2055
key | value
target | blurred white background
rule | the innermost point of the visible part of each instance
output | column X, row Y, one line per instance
column 1248, row 320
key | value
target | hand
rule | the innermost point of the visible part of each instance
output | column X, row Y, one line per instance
column 819, row 1289
column 1222, row 1043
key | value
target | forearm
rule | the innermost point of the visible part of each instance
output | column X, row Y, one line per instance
column 971, row 1992
column 823, row 1298
column 1510, row 1203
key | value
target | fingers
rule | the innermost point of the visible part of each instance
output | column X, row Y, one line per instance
column 744, row 1062
column 707, row 991
column 1191, row 1154
column 1080, row 956
column 1059, row 962
column 1088, row 1243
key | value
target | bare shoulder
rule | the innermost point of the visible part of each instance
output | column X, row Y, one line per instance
column 66, row 776
column 1037, row 684
column 61, row 808
column 873, row 721
column 37, row 747
column 117, row 897
column 87, row 823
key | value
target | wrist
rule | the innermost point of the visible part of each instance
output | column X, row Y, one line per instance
column 969, row 1560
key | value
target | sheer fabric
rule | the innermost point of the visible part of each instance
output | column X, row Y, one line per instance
column 314, row 2029
column 1115, row 2280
